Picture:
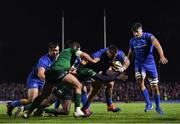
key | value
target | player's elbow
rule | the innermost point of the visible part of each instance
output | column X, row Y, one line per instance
column 83, row 55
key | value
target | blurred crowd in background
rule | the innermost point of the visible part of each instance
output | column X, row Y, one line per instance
column 123, row 91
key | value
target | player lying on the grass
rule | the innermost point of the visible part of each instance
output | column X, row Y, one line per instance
column 83, row 73
column 58, row 73
column 141, row 46
column 36, row 78
column 107, row 56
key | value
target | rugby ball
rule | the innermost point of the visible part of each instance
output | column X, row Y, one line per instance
column 116, row 65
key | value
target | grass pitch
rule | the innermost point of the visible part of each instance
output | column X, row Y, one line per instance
column 131, row 113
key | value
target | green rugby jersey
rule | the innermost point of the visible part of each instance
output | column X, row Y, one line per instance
column 64, row 60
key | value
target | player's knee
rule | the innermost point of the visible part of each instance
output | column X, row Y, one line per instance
column 154, row 87
column 154, row 81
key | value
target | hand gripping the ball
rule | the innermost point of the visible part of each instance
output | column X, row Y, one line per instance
column 121, row 69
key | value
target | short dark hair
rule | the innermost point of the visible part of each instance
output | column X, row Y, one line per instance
column 68, row 44
column 76, row 45
column 113, row 49
column 53, row 45
column 135, row 26
column 72, row 44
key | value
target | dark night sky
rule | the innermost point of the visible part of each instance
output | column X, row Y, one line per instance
column 26, row 27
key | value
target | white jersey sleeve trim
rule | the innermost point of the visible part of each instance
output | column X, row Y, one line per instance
column 78, row 53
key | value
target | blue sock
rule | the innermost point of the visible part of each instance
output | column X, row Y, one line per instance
column 16, row 103
column 87, row 105
column 157, row 100
column 56, row 104
column 109, row 101
column 84, row 97
column 146, row 96
column 108, row 97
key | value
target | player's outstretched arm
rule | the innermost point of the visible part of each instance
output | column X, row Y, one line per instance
column 87, row 57
column 106, row 78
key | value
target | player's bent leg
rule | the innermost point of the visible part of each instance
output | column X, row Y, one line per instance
column 23, row 106
column 108, row 92
column 93, row 92
column 11, row 105
column 45, row 93
column 20, row 109
column 72, row 80
column 32, row 93
column 34, row 89
column 47, row 102
column 66, row 105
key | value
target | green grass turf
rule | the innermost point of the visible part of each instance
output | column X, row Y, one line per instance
column 131, row 113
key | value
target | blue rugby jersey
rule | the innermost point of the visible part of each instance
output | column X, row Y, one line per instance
column 45, row 61
column 100, row 54
column 142, row 48
column 105, row 61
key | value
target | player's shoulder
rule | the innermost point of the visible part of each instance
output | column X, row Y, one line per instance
column 44, row 57
column 120, row 52
column 103, row 49
column 132, row 39
column 147, row 34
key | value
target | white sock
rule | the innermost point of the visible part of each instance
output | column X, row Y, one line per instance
column 78, row 109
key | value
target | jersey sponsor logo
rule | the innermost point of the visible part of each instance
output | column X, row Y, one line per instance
column 135, row 47
column 60, row 91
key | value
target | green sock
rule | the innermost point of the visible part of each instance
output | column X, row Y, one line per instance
column 77, row 99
